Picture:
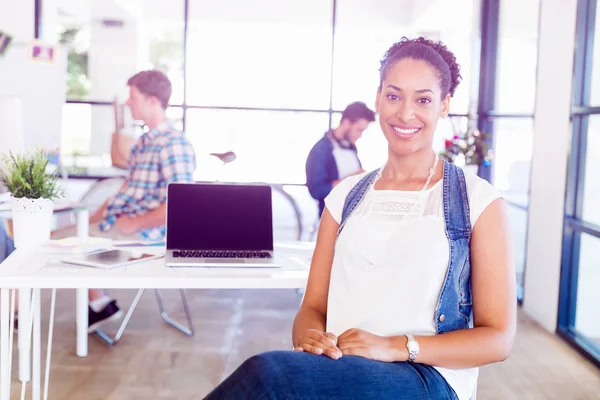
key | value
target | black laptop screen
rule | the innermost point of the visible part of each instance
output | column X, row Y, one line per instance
column 219, row 217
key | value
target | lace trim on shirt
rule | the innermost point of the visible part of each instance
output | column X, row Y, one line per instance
column 397, row 207
column 402, row 205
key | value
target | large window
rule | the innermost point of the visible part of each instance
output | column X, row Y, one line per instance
column 591, row 184
column 270, row 146
column 510, row 38
column 265, row 79
column 517, row 56
column 273, row 54
column 366, row 29
column 588, row 300
column 580, row 297
column 513, row 146
column 108, row 41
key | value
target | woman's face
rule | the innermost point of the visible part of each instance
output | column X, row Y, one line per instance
column 409, row 103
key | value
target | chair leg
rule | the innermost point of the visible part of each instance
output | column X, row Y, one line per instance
column 189, row 331
column 115, row 340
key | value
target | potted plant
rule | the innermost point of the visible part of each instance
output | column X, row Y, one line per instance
column 468, row 150
column 33, row 191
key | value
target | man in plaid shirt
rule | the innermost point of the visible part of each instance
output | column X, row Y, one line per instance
column 160, row 156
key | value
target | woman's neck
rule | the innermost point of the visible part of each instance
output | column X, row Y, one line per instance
column 406, row 168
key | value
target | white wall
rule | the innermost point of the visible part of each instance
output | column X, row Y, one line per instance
column 33, row 82
column 41, row 88
column 17, row 19
column 552, row 134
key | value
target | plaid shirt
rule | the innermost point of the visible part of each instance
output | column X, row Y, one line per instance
column 160, row 156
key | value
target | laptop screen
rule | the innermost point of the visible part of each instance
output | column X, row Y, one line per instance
column 219, row 217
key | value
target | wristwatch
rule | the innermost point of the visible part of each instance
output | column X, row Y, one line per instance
column 413, row 348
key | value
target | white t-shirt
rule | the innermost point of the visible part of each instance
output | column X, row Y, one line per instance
column 391, row 260
column 346, row 160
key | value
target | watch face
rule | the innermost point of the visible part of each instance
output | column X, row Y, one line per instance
column 413, row 346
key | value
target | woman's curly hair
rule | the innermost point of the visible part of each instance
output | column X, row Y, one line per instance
column 435, row 54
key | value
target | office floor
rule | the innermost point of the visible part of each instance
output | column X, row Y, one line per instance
column 153, row 361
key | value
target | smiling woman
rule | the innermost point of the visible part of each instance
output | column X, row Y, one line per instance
column 412, row 95
column 389, row 310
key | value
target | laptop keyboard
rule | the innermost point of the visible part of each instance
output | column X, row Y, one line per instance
column 220, row 254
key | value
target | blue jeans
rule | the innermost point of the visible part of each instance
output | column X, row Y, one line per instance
column 299, row 375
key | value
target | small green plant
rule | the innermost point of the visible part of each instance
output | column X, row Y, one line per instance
column 25, row 176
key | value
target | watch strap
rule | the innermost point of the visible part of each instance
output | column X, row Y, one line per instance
column 412, row 351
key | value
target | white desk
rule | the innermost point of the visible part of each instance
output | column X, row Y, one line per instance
column 41, row 270
column 82, row 217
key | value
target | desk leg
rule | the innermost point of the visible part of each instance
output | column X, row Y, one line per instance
column 4, row 346
column 82, row 322
column 83, row 226
column 49, row 348
column 37, row 345
column 83, row 223
column 24, row 337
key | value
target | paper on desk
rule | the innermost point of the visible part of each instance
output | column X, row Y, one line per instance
column 77, row 245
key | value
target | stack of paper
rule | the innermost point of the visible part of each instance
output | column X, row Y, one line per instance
column 77, row 245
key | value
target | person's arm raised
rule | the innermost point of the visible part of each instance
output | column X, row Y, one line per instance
column 120, row 148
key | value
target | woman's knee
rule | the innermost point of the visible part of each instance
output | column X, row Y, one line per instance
column 260, row 376
column 267, row 365
column 260, row 373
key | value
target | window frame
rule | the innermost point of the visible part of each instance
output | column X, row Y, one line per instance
column 574, row 224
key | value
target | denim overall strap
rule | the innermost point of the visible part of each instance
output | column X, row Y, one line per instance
column 456, row 203
column 355, row 196
column 454, row 309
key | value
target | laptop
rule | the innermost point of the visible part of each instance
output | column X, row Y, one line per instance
column 219, row 225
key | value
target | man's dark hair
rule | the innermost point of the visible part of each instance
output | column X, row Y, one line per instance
column 433, row 53
column 358, row 110
column 153, row 83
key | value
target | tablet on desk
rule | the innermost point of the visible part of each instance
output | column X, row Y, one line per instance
column 109, row 259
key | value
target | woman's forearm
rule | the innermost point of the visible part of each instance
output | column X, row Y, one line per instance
column 307, row 318
column 467, row 348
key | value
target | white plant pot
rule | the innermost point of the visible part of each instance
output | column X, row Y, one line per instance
column 32, row 221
